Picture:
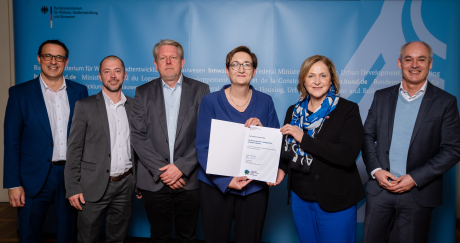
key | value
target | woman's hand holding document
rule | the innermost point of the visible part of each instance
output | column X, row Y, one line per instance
column 235, row 150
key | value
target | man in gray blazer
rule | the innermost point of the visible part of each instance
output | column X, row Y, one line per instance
column 163, row 130
column 411, row 137
column 99, row 172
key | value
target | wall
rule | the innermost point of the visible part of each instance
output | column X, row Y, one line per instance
column 7, row 71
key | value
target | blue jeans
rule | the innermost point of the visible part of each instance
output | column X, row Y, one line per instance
column 313, row 224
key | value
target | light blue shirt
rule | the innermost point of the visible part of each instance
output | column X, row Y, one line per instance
column 172, row 104
column 404, row 122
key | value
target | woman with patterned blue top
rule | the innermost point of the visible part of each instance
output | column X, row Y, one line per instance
column 322, row 140
column 226, row 198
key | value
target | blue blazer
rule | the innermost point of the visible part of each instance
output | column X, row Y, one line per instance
column 216, row 106
column 27, row 135
column 434, row 146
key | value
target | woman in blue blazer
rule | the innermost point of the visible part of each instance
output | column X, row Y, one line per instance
column 226, row 198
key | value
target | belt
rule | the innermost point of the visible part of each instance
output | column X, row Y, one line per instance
column 120, row 177
column 59, row 162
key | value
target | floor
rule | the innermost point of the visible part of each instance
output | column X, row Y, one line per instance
column 8, row 232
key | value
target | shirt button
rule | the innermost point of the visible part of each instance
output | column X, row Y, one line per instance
column 317, row 177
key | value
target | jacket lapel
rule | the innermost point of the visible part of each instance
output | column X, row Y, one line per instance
column 128, row 108
column 393, row 101
column 326, row 123
column 426, row 102
column 72, row 96
column 103, row 114
column 186, row 96
column 38, row 103
column 159, row 103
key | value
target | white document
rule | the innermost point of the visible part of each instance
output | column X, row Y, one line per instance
column 261, row 153
column 225, row 148
column 235, row 150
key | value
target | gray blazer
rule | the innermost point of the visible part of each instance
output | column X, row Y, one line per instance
column 87, row 168
column 434, row 146
column 149, row 136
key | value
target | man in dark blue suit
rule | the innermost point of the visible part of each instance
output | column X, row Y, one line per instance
column 37, row 122
column 411, row 138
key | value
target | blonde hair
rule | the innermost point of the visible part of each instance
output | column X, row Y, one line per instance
column 305, row 68
column 170, row 43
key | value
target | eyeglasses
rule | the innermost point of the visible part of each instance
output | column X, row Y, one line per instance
column 236, row 65
column 49, row 57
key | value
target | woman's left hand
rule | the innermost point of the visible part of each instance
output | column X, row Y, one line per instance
column 294, row 131
column 253, row 121
column 279, row 178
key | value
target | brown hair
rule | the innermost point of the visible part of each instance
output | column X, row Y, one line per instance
column 305, row 68
column 241, row 49
column 111, row 57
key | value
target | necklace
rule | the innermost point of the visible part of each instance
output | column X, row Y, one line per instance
column 230, row 93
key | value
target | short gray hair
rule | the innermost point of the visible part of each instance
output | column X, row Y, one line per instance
column 410, row 42
column 168, row 42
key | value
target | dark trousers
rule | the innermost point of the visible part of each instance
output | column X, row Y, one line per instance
column 387, row 209
column 166, row 206
column 32, row 215
column 117, row 201
column 218, row 211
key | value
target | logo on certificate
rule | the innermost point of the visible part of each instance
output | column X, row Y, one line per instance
column 251, row 173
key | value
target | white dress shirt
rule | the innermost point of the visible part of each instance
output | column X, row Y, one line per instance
column 417, row 94
column 58, row 109
column 119, row 136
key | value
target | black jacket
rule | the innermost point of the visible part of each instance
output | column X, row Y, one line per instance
column 434, row 147
column 334, row 150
